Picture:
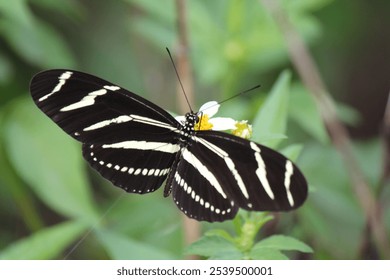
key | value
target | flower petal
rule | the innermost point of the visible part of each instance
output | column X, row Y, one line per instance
column 243, row 129
column 209, row 108
column 223, row 123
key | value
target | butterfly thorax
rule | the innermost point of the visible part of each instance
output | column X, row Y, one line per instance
column 187, row 130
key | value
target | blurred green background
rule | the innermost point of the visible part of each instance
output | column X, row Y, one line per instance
column 50, row 198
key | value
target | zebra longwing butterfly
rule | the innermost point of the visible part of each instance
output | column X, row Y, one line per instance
column 137, row 146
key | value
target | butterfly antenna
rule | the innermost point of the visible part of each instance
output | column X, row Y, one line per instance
column 177, row 74
column 240, row 93
column 234, row 96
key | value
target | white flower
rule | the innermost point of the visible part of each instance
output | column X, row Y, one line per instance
column 206, row 122
column 243, row 130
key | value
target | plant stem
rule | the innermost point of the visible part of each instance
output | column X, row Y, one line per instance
column 191, row 227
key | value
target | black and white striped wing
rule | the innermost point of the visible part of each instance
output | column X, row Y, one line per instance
column 136, row 145
column 127, row 139
column 197, row 191
column 230, row 173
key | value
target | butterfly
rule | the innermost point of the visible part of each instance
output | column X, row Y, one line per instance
column 138, row 146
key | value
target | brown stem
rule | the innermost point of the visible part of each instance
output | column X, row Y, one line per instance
column 385, row 178
column 183, row 61
column 311, row 78
column 190, row 226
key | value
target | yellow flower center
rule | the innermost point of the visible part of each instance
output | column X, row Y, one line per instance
column 203, row 123
column 243, row 130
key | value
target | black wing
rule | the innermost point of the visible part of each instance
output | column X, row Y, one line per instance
column 127, row 139
column 238, row 173
column 195, row 188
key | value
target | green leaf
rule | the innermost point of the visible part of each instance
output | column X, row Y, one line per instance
column 266, row 254
column 303, row 6
column 292, row 152
column 45, row 48
column 48, row 160
column 321, row 216
column 16, row 10
column 121, row 247
column 6, row 69
column 163, row 232
column 158, row 26
column 303, row 110
column 332, row 181
column 271, row 119
column 283, row 243
column 13, row 191
column 220, row 233
column 348, row 114
column 214, row 247
column 45, row 244
column 70, row 8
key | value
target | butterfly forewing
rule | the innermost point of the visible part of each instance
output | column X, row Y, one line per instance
column 85, row 106
column 127, row 139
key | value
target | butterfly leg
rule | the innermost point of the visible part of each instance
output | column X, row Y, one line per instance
column 168, row 184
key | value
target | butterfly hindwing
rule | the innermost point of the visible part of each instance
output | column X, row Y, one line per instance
column 194, row 192
column 134, row 170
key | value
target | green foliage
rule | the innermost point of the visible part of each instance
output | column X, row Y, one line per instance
column 121, row 247
column 229, row 39
column 332, row 214
column 269, row 125
column 303, row 110
column 46, row 244
column 219, row 244
column 61, row 184
column 49, row 198
column 45, row 47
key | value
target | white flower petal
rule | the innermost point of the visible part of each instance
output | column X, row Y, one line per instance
column 209, row 108
column 223, row 123
column 181, row 119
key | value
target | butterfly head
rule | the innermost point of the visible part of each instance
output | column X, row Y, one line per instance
column 203, row 120
column 198, row 121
